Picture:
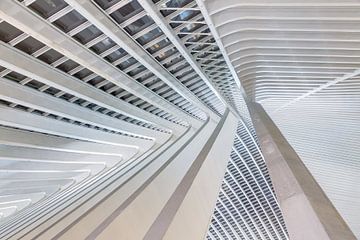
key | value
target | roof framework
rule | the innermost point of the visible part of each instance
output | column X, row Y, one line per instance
column 118, row 80
column 300, row 60
column 90, row 80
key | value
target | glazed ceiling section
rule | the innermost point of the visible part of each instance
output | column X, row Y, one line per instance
column 300, row 60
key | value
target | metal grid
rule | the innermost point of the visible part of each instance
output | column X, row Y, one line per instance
column 76, row 26
column 51, row 60
column 246, row 207
column 190, row 33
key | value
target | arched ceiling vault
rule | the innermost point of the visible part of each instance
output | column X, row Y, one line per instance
column 301, row 61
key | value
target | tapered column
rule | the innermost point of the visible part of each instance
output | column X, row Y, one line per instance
column 308, row 213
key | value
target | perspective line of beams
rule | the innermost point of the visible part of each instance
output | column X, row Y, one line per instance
column 18, row 94
column 25, row 21
column 178, row 43
column 29, row 121
column 150, row 8
column 218, row 41
column 13, row 59
column 90, row 11
column 16, row 137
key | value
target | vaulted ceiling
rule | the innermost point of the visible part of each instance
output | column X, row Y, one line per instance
column 301, row 61
column 105, row 83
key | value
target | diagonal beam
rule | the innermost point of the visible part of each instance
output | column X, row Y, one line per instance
column 26, row 96
column 17, row 61
column 90, row 11
column 33, row 156
column 29, row 121
column 295, row 187
column 321, row 87
column 21, row 138
column 16, row 14
column 217, row 38
column 151, row 9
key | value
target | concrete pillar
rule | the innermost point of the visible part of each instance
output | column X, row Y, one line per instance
column 308, row 213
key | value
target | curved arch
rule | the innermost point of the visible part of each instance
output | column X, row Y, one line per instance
column 259, row 70
column 249, row 34
column 291, row 44
column 288, row 25
column 293, row 60
column 294, row 52
column 250, row 77
column 269, row 12
column 219, row 6
column 317, row 65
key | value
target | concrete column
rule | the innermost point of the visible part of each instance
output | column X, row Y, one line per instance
column 308, row 213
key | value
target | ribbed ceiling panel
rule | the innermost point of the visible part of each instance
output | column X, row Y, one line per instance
column 324, row 130
column 300, row 60
column 246, row 207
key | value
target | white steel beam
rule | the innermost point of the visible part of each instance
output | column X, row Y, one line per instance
column 114, row 186
column 295, row 186
column 21, row 138
column 25, row 96
column 33, row 122
column 25, row 20
column 218, row 40
column 89, row 10
column 153, row 12
column 28, row 66
column 323, row 86
column 30, row 155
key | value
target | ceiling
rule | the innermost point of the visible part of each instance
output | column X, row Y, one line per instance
column 85, row 98
column 301, row 60
column 90, row 88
